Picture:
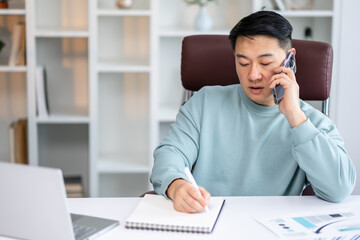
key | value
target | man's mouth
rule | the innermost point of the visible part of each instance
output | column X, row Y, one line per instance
column 256, row 90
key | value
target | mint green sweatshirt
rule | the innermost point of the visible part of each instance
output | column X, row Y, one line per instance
column 236, row 147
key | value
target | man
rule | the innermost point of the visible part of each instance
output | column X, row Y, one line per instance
column 238, row 142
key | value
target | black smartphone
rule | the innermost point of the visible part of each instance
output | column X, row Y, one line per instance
column 278, row 90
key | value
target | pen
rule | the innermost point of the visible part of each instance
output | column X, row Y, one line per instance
column 192, row 180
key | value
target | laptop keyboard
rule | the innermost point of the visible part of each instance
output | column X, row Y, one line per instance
column 86, row 226
column 81, row 232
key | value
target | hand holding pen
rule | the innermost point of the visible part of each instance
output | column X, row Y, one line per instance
column 186, row 197
column 192, row 180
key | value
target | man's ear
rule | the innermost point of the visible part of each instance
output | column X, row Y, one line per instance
column 292, row 50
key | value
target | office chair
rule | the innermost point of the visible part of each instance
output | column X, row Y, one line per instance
column 208, row 60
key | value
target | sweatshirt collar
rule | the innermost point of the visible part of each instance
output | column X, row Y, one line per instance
column 256, row 107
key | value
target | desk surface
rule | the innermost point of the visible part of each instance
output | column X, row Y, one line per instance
column 236, row 219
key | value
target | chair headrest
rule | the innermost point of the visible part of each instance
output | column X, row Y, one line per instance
column 208, row 60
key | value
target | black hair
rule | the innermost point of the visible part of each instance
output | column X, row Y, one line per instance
column 263, row 23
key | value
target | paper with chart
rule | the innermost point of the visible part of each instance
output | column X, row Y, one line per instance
column 341, row 225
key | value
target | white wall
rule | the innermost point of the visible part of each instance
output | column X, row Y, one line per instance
column 347, row 90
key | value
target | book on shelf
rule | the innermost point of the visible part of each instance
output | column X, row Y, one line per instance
column 17, row 52
column 42, row 101
column 73, row 186
column 18, row 141
column 12, row 141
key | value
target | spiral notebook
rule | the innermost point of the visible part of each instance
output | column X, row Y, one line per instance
column 155, row 212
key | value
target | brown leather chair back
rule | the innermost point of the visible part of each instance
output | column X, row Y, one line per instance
column 208, row 60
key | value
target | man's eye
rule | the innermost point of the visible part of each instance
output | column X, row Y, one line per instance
column 243, row 64
column 266, row 64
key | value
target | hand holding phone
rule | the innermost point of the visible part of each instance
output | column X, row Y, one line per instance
column 278, row 90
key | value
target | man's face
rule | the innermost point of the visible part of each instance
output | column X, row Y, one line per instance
column 255, row 60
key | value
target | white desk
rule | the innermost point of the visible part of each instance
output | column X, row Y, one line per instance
column 236, row 220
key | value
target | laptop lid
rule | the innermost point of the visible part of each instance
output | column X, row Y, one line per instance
column 33, row 205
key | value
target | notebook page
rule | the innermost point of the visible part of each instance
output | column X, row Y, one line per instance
column 156, row 210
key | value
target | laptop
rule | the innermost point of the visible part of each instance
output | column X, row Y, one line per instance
column 33, row 205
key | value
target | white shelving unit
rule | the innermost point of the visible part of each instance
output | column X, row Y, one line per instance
column 182, row 32
column 58, row 40
column 114, row 80
column 10, row 12
column 121, row 79
column 124, row 13
column 63, row 120
column 13, row 69
column 320, row 18
column 60, row 33
column 13, row 80
column 307, row 13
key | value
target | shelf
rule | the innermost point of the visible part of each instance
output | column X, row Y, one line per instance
column 108, row 66
column 306, row 13
column 13, row 69
column 182, row 32
column 62, row 119
column 113, row 67
column 109, row 165
column 12, row 11
column 130, row 13
column 61, row 33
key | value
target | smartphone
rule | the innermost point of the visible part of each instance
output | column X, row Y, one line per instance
column 278, row 90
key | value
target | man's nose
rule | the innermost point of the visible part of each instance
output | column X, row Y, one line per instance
column 254, row 73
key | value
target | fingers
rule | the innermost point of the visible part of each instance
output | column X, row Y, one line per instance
column 278, row 79
column 283, row 76
column 192, row 205
column 188, row 199
column 206, row 195
column 184, row 207
column 288, row 71
column 202, row 196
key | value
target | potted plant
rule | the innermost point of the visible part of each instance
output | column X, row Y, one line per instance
column 4, row 3
column 203, row 21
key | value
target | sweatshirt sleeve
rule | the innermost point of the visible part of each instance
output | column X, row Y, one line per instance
column 179, row 149
column 320, row 152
